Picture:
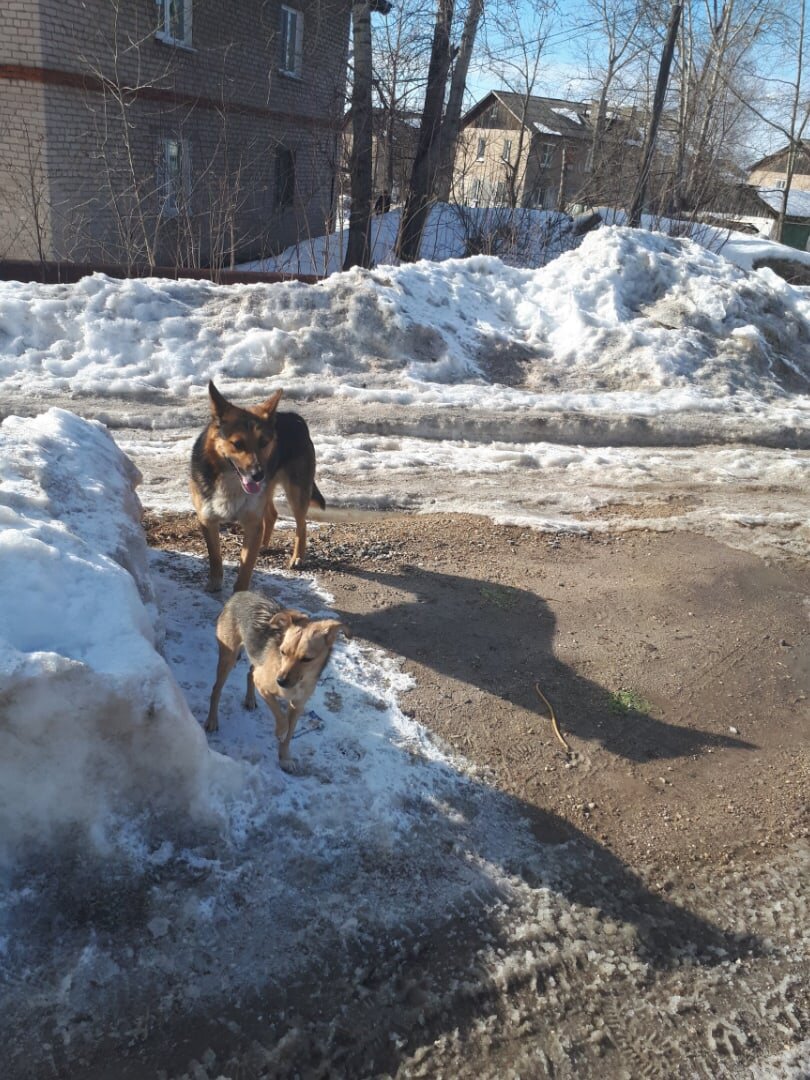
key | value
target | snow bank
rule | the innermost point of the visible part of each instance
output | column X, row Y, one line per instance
column 92, row 722
column 660, row 320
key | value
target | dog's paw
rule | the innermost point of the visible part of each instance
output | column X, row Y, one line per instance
column 290, row 765
column 250, row 704
column 297, row 564
column 211, row 726
column 214, row 586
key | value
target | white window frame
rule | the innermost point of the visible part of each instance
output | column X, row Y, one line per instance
column 548, row 155
column 174, row 184
column 781, row 184
column 291, row 50
column 164, row 32
column 506, row 153
column 482, row 150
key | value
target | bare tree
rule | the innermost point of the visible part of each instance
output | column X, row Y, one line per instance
column 358, row 246
column 637, row 201
column 426, row 160
column 621, row 31
column 458, row 85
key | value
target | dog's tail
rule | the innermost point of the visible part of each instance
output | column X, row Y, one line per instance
column 316, row 497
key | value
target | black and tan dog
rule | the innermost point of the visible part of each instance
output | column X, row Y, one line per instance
column 287, row 652
column 236, row 464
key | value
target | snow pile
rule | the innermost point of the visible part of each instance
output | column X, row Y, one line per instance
column 91, row 719
column 662, row 322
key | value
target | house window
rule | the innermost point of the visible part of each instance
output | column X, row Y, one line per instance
column 292, row 41
column 482, row 149
column 507, row 150
column 476, row 192
column 285, row 177
column 174, row 176
column 780, row 184
column 547, row 154
column 174, row 26
column 500, row 193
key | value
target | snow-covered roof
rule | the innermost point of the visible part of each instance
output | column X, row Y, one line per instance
column 798, row 204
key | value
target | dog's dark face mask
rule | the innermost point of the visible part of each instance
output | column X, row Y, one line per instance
column 246, row 437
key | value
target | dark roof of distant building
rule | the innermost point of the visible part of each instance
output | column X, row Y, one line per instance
column 544, row 115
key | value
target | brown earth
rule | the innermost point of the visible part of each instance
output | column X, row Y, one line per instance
column 679, row 670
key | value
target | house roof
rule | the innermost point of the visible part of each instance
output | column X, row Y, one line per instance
column 803, row 156
column 798, row 204
column 545, row 116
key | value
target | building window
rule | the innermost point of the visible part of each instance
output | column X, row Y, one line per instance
column 547, row 154
column 174, row 176
column 476, row 192
column 780, row 184
column 292, row 41
column 174, row 25
column 482, row 149
column 285, row 177
column 500, row 193
column 507, row 150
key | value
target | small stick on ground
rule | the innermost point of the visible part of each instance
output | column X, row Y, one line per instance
column 553, row 718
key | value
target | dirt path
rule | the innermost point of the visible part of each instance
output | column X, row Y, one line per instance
column 680, row 672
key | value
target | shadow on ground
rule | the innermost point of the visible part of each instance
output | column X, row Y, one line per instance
column 558, row 913
column 491, row 633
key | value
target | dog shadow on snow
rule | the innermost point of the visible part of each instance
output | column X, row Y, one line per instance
column 386, row 979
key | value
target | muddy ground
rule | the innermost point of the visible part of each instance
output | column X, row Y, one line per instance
column 678, row 669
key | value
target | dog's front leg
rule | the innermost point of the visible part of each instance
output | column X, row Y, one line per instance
column 250, row 552
column 210, row 531
column 279, row 715
column 225, row 663
column 250, row 691
column 287, row 763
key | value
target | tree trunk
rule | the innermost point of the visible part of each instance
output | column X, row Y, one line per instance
column 637, row 204
column 563, row 167
column 795, row 136
column 423, row 174
column 452, row 116
column 716, row 56
column 358, row 246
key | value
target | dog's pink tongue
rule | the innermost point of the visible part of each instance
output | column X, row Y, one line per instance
column 250, row 486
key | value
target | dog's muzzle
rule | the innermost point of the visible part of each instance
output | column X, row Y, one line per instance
column 253, row 482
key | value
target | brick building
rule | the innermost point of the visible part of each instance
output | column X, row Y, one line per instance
column 168, row 132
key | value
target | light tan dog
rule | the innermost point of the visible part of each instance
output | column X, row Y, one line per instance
column 287, row 651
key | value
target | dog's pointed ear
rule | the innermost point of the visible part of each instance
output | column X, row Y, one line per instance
column 267, row 408
column 218, row 402
column 333, row 628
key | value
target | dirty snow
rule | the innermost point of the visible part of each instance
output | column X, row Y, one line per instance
column 630, row 369
column 637, row 373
